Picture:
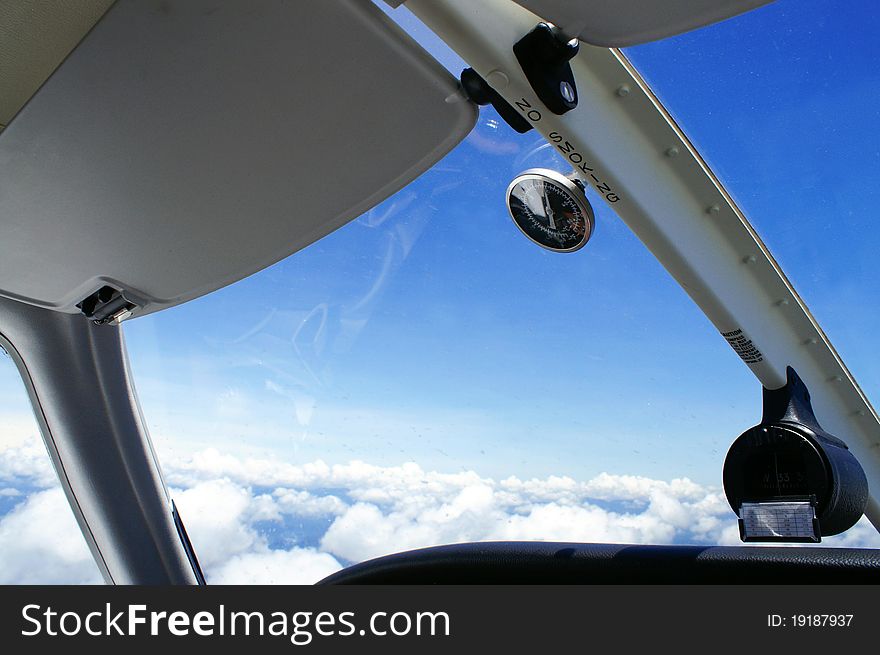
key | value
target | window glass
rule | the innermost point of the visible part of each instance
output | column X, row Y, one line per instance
column 40, row 541
column 784, row 103
column 428, row 375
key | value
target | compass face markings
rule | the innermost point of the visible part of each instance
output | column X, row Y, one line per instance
column 550, row 210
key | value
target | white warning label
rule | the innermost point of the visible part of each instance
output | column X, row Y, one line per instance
column 743, row 346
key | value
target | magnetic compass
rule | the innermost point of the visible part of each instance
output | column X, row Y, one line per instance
column 550, row 209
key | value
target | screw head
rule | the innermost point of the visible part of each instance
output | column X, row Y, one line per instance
column 566, row 91
column 498, row 80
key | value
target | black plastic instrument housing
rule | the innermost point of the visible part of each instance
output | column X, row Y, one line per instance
column 788, row 455
column 543, row 55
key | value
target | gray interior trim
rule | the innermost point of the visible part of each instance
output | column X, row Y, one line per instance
column 619, row 23
column 186, row 144
column 77, row 378
column 35, row 37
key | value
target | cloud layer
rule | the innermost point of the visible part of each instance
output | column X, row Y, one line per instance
column 267, row 521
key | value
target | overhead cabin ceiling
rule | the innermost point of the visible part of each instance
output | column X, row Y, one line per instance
column 35, row 37
column 619, row 23
column 185, row 144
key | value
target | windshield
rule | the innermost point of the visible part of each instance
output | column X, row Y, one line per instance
column 782, row 103
column 428, row 375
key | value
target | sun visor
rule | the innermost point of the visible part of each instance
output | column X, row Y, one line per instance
column 619, row 23
column 185, row 144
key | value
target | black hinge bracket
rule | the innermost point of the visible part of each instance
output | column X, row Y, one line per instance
column 478, row 90
column 106, row 305
column 544, row 54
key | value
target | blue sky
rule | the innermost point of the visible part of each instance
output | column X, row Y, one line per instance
column 431, row 330
column 783, row 102
column 433, row 343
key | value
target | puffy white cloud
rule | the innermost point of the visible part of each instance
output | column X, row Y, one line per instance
column 210, row 464
column 294, row 566
column 481, row 510
column 554, row 522
column 19, row 426
column 302, row 503
column 388, row 509
column 28, row 462
column 40, row 543
column 220, row 517
column 263, row 520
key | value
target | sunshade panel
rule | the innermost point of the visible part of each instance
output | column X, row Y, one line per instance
column 619, row 23
column 185, row 145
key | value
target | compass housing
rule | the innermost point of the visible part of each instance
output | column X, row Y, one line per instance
column 551, row 209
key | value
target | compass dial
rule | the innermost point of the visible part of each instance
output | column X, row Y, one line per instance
column 550, row 209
